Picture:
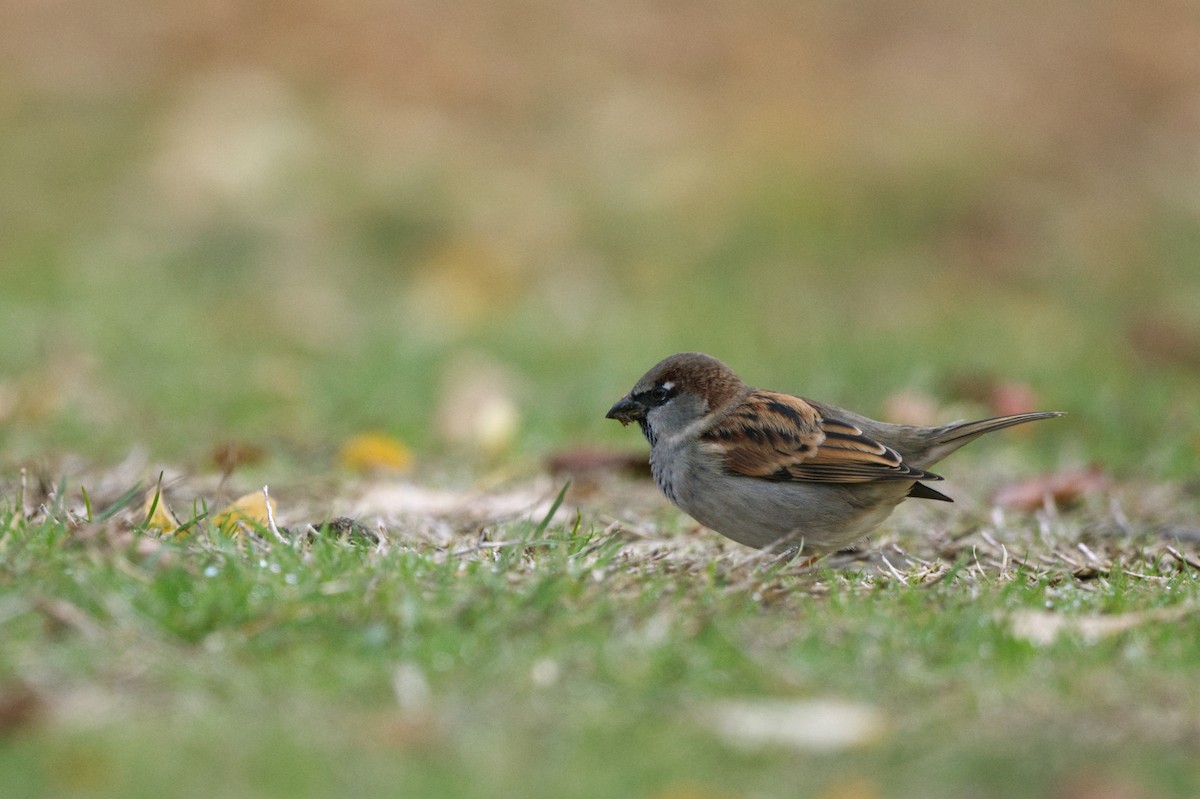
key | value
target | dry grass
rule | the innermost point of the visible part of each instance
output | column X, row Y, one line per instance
column 1050, row 638
column 259, row 231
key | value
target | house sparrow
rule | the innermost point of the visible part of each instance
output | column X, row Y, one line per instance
column 774, row 470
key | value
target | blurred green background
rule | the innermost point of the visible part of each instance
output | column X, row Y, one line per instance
column 287, row 222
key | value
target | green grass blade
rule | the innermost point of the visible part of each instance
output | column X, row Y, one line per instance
column 119, row 504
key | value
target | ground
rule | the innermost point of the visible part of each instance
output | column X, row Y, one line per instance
column 395, row 265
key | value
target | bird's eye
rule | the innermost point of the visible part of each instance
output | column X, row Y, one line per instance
column 660, row 395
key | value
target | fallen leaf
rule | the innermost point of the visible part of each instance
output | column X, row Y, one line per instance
column 584, row 462
column 375, row 452
column 230, row 455
column 1011, row 398
column 20, row 708
column 815, row 725
column 1001, row 397
column 162, row 518
column 1060, row 489
column 250, row 509
column 1045, row 627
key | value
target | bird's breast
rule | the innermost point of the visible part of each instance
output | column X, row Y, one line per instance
column 673, row 471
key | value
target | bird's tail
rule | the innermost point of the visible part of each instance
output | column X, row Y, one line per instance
column 953, row 436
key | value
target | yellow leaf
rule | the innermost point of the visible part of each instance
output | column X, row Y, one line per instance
column 163, row 518
column 370, row 452
column 250, row 509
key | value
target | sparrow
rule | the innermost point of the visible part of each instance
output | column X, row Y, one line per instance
column 775, row 471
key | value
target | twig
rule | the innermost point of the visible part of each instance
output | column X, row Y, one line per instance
column 21, row 513
column 933, row 578
column 484, row 546
column 1069, row 560
column 1082, row 547
column 986, row 535
column 381, row 540
column 271, row 518
column 895, row 573
column 608, row 534
column 1151, row 577
column 1023, row 562
column 1182, row 558
column 974, row 556
column 909, row 555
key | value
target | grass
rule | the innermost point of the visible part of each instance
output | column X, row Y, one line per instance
column 571, row 659
column 270, row 242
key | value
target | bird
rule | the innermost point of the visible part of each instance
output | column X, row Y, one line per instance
column 780, row 472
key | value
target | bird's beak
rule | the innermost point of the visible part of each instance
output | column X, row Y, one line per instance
column 626, row 410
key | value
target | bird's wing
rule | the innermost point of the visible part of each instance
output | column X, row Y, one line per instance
column 777, row 436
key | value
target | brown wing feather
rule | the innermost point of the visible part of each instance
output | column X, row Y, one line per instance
column 780, row 437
